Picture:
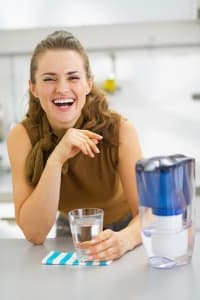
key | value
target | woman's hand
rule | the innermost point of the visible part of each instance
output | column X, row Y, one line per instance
column 74, row 141
column 108, row 245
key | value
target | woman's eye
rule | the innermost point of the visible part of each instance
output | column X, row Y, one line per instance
column 74, row 78
column 49, row 79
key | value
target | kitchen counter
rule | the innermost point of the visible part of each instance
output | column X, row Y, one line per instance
column 24, row 277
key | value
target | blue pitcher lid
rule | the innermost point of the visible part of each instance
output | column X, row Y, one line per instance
column 165, row 183
column 161, row 162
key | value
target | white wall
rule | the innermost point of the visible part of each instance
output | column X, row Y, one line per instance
column 155, row 92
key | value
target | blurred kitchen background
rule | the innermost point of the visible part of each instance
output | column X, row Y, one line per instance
column 145, row 54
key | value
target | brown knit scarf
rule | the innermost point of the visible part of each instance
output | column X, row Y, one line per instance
column 43, row 144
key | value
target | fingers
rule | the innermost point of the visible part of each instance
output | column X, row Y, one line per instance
column 90, row 140
column 86, row 140
column 87, row 145
column 92, row 135
column 106, row 246
column 76, row 140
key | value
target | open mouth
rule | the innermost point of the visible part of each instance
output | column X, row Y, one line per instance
column 63, row 102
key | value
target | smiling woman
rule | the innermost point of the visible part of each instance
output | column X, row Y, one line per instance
column 59, row 81
column 74, row 151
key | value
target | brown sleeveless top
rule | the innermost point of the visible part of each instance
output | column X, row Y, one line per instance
column 85, row 181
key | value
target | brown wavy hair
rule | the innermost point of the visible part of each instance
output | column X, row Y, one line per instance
column 97, row 115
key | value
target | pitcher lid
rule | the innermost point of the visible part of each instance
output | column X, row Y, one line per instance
column 161, row 162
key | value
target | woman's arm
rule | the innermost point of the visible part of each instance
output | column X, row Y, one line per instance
column 109, row 244
column 129, row 153
column 36, row 208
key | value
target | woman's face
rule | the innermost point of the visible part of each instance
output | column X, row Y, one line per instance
column 61, row 86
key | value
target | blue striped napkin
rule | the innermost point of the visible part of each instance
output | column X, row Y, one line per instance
column 69, row 258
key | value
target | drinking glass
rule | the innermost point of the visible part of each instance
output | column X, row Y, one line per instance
column 85, row 224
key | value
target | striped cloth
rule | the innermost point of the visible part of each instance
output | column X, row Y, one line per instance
column 69, row 258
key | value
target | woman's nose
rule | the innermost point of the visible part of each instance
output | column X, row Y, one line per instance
column 62, row 86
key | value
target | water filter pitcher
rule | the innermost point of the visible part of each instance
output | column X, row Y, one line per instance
column 166, row 188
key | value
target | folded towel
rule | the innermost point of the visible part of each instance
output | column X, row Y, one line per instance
column 69, row 258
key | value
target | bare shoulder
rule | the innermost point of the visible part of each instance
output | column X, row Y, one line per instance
column 129, row 141
column 18, row 140
column 17, row 133
column 127, row 130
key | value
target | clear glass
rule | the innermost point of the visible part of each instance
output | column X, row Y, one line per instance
column 168, row 240
column 85, row 224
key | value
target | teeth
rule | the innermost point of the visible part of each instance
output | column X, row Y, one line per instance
column 65, row 101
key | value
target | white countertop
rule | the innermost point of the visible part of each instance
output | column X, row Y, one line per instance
column 24, row 277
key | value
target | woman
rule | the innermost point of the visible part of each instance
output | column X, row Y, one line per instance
column 71, row 151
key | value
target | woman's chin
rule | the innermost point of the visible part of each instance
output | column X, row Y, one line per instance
column 65, row 122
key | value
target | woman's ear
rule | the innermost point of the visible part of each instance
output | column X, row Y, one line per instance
column 32, row 88
column 90, row 84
